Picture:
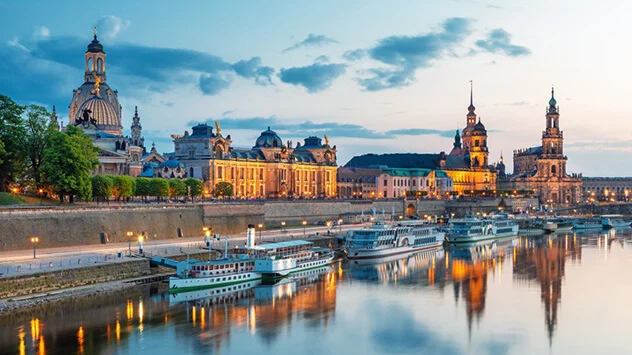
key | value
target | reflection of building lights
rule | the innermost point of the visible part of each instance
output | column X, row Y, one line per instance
column 141, row 313
column 118, row 331
column 21, row 346
column 129, row 309
column 41, row 346
column 193, row 314
column 80, row 339
column 252, row 319
column 202, row 318
column 35, row 329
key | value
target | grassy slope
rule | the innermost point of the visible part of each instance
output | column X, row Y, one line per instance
column 9, row 199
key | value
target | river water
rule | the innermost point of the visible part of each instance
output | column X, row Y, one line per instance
column 558, row 294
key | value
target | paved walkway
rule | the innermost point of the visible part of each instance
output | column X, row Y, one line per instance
column 21, row 262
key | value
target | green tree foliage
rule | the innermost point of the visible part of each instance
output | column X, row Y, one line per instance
column 102, row 187
column 68, row 163
column 159, row 187
column 123, row 186
column 223, row 189
column 11, row 135
column 38, row 131
column 196, row 187
column 143, row 187
column 177, row 188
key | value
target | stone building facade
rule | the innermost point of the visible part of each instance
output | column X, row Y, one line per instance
column 607, row 188
column 542, row 169
column 357, row 182
column 270, row 169
column 396, row 183
column 95, row 108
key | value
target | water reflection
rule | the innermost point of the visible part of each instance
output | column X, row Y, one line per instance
column 474, row 280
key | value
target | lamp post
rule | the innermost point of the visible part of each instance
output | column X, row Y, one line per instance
column 340, row 225
column 304, row 224
column 140, row 244
column 129, row 234
column 40, row 191
column 282, row 225
column 260, row 226
column 34, row 241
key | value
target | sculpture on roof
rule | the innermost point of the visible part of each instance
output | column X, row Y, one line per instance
column 326, row 140
column 97, row 82
column 217, row 128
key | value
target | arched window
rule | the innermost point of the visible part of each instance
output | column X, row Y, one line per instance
column 191, row 172
column 99, row 65
column 89, row 65
column 553, row 170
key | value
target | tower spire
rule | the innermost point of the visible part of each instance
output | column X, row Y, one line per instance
column 471, row 108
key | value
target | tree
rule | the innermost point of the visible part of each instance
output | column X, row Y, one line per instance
column 195, row 186
column 68, row 163
column 38, row 131
column 177, row 188
column 143, row 187
column 101, row 187
column 223, row 189
column 159, row 188
column 122, row 187
column 11, row 133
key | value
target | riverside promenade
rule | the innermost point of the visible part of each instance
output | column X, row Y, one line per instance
column 22, row 262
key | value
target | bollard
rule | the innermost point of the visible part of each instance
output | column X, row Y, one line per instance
column 19, row 268
column 50, row 265
column 78, row 261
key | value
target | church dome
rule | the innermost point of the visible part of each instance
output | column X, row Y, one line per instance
column 268, row 139
column 101, row 111
column 171, row 163
column 95, row 46
column 479, row 127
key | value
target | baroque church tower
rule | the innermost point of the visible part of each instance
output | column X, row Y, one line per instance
column 475, row 137
column 137, row 130
column 552, row 162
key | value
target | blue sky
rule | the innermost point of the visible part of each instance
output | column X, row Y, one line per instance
column 374, row 77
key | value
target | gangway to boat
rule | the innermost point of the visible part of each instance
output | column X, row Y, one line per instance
column 166, row 262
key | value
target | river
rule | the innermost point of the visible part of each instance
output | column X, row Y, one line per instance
column 558, row 294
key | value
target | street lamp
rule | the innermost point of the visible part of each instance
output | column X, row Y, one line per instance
column 282, row 225
column 260, row 226
column 129, row 234
column 340, row 225
column 140, row 244
column 40, row 191
column 34, row 240
column 304, row 224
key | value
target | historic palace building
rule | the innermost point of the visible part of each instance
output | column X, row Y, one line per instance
column 270, row 169
column 542, row 169
column 467, row 164
column 96, row 109
column 607, row 188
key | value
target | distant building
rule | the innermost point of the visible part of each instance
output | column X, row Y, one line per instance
column 95, row 108
column 467, row 164
column 270, row 169
column 607, row 188
column 395, row 183
column 357, row 182
column 542, row 169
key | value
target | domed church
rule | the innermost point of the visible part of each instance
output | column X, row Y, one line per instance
column 95, row 108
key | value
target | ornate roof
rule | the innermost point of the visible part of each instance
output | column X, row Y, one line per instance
column 101, row 111
column 268, row 139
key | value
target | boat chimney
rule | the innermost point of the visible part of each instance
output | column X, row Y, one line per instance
column 250, row 236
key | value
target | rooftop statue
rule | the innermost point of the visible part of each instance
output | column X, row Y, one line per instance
column 217, row 128
column 97, row 82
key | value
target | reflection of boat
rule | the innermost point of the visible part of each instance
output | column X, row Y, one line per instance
column 475, row 229
column 557, row 225
column 587, row 224
column 482, row 250
column 397, row 267
column 215, row 295
column 382, row 240
column 614, row 221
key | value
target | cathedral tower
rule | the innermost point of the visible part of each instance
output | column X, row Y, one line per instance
column 137, row 130
column 95, row 61
column 552, row 163
column 471, row 121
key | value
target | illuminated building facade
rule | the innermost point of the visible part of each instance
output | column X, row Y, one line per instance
column 270, row 169
column 543, row 168
column 607, row 188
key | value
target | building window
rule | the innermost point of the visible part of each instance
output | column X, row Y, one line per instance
column 385, row 183
column 220, row 172
column 476, row 142
column 553, row 170
column 191, row 154
column 414, row 183
column 191, row 172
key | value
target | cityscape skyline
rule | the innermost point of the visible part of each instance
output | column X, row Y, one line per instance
column 394, row 83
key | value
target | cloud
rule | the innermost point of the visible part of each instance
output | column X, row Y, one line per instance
column 312, row 40
column 334, row 129
column 41, row 32
column 26, row 63
column 499, row 41
column 109, row 27
column 314, row 78
column 321, row 59
column 227, row 112
column 213, row 84
column 252, row 68
column 354, row 55
column 395, row 330
column 403, row 55
column 517, row 103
